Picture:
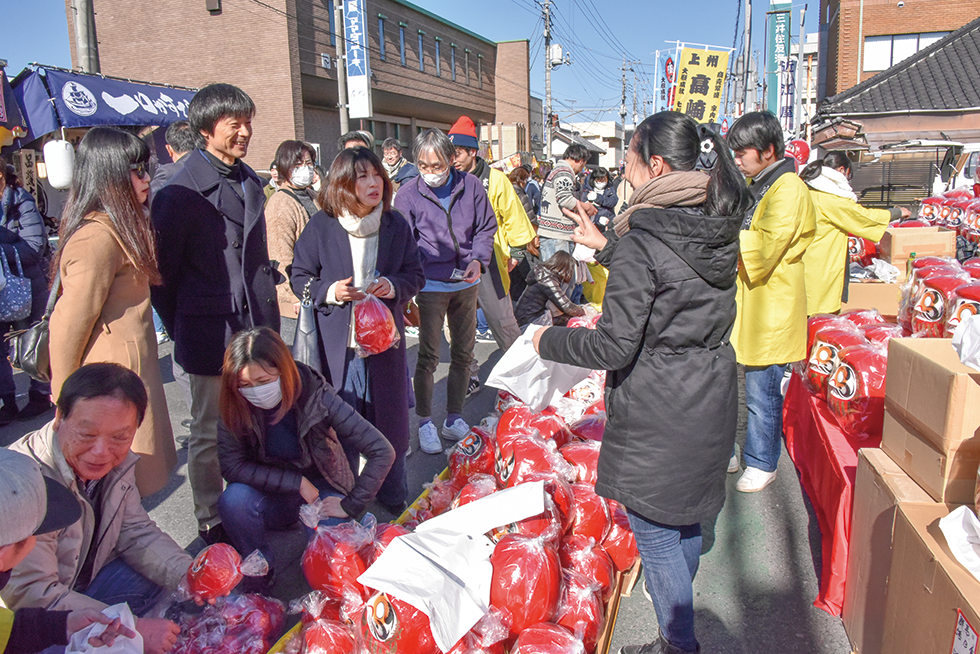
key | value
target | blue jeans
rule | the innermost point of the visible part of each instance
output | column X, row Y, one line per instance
column 248, row 515
column 670, row 557
column 481, row 321
column 549, row 246
column 117, row 582
column 764, row 432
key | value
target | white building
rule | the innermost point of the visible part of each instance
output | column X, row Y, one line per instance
column 606, row 135
column 809, row 85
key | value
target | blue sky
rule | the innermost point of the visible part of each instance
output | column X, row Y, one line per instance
column 593, row 33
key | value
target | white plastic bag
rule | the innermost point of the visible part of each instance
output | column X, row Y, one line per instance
column 966, row 341
column 121, row 645
column 538, row 383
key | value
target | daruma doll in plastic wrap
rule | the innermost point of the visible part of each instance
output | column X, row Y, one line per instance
column 526, row 581
column 548, row 638
column 972, row 267
column 963, row 302
column 929, row 209
column 823, row 356
column 861, row 250
column 218, row 568
column 929, row 312
column 374, row 326
column 474, row 454
column 390, row 625
column 856, row 391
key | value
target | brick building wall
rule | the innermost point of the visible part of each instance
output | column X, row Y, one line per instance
column 179, row 42
column 881, row 17
column 514, row 90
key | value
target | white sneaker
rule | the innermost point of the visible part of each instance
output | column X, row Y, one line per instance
column 455, row 431
column 429, row 441
column 733, row 464
column 754, row 480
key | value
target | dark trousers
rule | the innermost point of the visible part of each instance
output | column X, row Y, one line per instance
column 459, row 309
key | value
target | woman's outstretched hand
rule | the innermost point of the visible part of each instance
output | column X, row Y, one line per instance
column 586, row 232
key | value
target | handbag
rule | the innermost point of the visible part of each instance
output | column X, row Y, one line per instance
column 15, row 297
column 306, row 343
column 29, row 347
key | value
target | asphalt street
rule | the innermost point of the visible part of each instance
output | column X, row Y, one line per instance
column 759, row 568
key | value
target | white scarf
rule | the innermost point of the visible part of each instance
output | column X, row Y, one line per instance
column 362, row 227
column 834, row 182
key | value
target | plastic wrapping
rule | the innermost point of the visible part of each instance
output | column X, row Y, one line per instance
column 504, row 401
column 386, row 533
column 620, row 543
column 327, row 637
column 881, row 333
column 861, row 250
column 549, row 525
column 389, row 625
column 972, row 266
column 526, row 581
column 239, row 624
column 475, row 453
column 588, row 390
column 439, row 497
column 560, row 491
column 591, row 427
column 581, row 608
column 551, row 427
column 478, row 486
column 374, row 327
column 827, row 343
column 519, row 457
column 814, row 324
column 861, row 317
column 929, row 209
column 337, row 556
column 963, row 302
column 922, row 268
column 547, row 638
column 929, row 310
column 218, row 568
column 590, row 515
column 417, row 517
column 584, row 457
column 856, row 392
column 586, row 556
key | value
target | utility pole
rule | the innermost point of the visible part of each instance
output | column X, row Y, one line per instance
column 338, row 21
column 622, row 104
column 547, row 77
column 747, row 44
column 798, row 109
column 86, row 43
column 636, row 83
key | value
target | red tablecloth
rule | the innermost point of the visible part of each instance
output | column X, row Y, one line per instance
column 826, row 459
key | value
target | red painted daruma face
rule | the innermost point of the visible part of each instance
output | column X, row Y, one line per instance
column 856, row 390
column 962, row 303
column 929, row 313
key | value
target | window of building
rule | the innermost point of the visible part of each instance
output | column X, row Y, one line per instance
column 466, row 63
column 333, row 26
column 881, row 52
column 479, row 69
column 381, row 37
column 438, row 58
column 421, row 51
column 401, row 40
column 452, row 59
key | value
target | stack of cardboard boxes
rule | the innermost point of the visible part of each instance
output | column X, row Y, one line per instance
column 896, row 246
column 905, row 592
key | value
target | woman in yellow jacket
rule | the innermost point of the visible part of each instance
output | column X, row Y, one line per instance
column 838, row 214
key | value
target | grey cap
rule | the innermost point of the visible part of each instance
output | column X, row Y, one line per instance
column 30, row 503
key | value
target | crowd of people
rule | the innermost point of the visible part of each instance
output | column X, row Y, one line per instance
column 703, row 255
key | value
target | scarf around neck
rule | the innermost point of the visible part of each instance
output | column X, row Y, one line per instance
column 674, row 189
column 362, row 227
column 834, row 182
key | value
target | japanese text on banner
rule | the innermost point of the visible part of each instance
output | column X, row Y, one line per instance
column 700, row 83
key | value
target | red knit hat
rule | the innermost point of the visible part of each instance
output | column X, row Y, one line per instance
column 463, row 133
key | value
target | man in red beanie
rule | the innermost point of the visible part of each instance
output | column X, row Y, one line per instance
column 514, row 230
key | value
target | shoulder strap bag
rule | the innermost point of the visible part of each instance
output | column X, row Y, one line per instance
column 29, row 347
column 306, row 344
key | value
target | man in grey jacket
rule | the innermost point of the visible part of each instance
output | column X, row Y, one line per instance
column 115, row 552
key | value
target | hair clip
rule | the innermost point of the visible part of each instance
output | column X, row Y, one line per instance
column 707, row 145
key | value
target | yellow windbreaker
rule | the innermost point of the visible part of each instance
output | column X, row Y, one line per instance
column 514, row 228
column 770, row 326
column 825, row 260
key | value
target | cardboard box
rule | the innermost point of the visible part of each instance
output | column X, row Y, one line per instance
column 928, row 387
column 880, row 485
column 946, row 475
column 873, row 295
column 898, row 243
column 928, row 589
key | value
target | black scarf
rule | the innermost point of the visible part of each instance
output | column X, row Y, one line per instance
column 760, row 185
column 233, row 173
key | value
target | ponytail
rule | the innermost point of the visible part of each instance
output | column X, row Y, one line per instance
column 835, row 159
column 812, row 171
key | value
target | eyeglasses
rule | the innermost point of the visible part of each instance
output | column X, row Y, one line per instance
column 431, row 168
column 142, row 169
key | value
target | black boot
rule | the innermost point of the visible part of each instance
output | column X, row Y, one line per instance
column 37, row 405
column 8, row 413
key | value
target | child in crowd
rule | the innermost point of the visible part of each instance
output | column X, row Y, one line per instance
column 544, row 284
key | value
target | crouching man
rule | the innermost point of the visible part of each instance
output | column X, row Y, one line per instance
column 115, row 552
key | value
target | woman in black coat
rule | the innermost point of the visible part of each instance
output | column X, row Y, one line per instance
column 672, row 385
column 358, row 245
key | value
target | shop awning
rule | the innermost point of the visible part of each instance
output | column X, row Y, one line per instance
column 52, row 98
column 12, row 123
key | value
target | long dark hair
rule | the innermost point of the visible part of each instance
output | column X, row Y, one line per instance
column 102, row 183
column 339, row 194
column 835, row 159
column 676, row 138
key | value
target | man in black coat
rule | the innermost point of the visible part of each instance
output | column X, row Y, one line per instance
column 217, row 277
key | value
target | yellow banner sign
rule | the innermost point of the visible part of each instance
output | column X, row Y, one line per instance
column 700, row 83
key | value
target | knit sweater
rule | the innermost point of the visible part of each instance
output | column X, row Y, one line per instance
column 558, row 193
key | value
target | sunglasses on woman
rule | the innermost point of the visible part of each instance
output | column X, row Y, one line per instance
column 142, row 169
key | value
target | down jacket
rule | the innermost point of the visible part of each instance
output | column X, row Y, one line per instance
column 543, row 286
column 672, row 385
column 47, row 577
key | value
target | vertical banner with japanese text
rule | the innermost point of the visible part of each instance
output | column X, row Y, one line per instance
column 666, row 80
column 778, row 47
column 787, row 94
column 358, row 67
column 700, row 83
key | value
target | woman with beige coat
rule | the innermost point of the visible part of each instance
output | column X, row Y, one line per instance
column 107, row 262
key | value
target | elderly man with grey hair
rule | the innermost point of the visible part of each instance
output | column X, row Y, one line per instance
column 454, row 224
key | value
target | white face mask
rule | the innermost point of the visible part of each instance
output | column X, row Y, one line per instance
column 263, row 396
column 599, row 186
column 302, row 176
column 316, row 186
column 435, row 180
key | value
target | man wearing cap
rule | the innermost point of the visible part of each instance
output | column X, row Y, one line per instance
column 32, row 505
column 514, row 230
column 115, row 552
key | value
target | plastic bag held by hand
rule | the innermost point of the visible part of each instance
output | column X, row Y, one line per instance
column 121, row 645
column 218, row 568
column 374, row 327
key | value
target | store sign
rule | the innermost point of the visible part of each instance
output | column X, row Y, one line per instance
column 358, row 66
column 700, row 83
column 779, row 36
column 786, row 107
column 87, row 100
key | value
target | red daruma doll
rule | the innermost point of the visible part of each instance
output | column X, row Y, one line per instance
column 218, row 568
column 861, row 250
column 963, row 302
column 823, row 357
column 526, row 581
column 929, row 209
column 929, row 312
column 856, row 390
column 374, row 327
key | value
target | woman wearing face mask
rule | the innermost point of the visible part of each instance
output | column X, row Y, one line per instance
column 672, row 382
column 281, row 444
column 288, row 210
column 454, row 226
column 602, row 194
column 356, row 246
column 107, row 261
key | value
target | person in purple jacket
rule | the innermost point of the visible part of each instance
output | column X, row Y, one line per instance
column 454, row 226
